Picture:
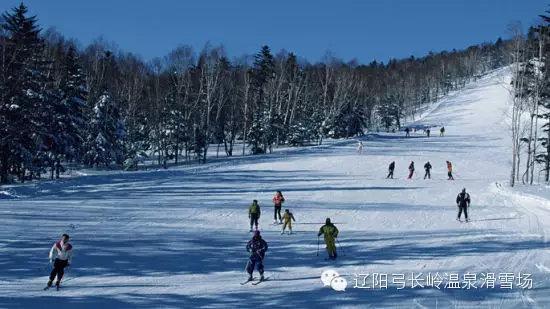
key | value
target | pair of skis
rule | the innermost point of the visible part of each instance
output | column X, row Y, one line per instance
column 255, row 282
column 57, row 287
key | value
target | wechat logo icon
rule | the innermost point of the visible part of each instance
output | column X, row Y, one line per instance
column 331, row 278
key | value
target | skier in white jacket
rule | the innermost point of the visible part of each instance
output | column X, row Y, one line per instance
column 360, row 147
column 61, row 256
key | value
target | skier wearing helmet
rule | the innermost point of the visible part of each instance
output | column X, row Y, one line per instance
column 257, row 248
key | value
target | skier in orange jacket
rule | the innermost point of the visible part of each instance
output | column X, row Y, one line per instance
column 450, row 171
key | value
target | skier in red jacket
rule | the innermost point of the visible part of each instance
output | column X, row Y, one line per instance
column 278, row 201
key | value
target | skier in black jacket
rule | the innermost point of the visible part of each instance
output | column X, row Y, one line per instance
column 427, row 168
column 463, row 202
column 390, row 170
column 411, row 170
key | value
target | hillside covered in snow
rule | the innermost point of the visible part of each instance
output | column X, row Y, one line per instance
column 176, row 238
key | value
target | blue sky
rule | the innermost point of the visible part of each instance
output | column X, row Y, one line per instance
column 365, row 30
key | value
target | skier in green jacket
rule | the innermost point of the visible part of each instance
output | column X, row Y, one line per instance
column 254, row 214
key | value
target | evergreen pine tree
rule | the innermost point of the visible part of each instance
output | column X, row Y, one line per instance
column 106, row 134
column 260, row 136
column 70, row 117
column 22, row 96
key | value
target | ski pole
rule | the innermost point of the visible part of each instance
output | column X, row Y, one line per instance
column 246, row 265
column 67, row 272
column 46, row 267
column 339, row 245
column 317, row 245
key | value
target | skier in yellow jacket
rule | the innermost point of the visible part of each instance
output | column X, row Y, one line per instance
column 288, row 217
column 330, row 233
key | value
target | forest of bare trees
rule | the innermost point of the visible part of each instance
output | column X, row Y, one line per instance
column 99, row 106
column 530, row 112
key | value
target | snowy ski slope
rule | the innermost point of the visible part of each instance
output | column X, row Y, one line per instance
column 176, row 238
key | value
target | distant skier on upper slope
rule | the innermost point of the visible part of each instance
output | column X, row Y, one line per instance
column 411, row 170
column 463, row 202
column 391, row 168
column 450, row 171
column 427, row 168
column 360, row 147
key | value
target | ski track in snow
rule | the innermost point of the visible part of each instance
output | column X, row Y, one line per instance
column 176, row 238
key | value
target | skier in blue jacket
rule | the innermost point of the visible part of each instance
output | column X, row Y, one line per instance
column 257, row 248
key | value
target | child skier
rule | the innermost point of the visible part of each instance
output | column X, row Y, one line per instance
column 257, row 248
column 427, row 168
column 288, row 217
column 278, row 201
column 450, row 171
column 360, row 147
column 330, row 233
column 390, row 170
column 411, row 170
column 60, row 256
column 254, row 214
